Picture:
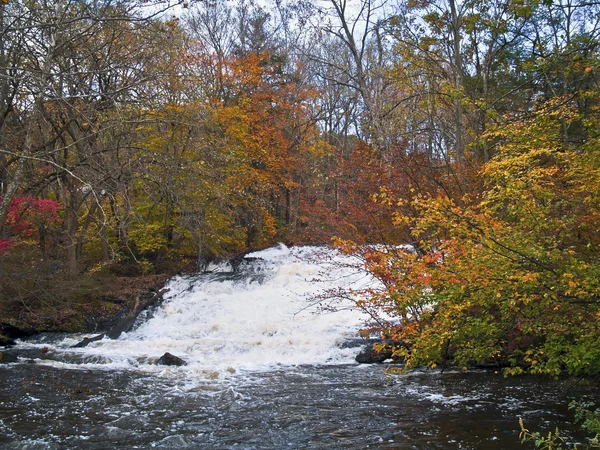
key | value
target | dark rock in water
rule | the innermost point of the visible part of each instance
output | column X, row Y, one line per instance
column 370, row 355
column 7, row 358
column 240, row 260
column 88, row 341
column 353, row 343
column 170, row 360
column 12, row 332
column 127, row 322
column 5, row 341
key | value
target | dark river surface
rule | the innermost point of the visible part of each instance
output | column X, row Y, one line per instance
column 266, row 369
column 312, row 407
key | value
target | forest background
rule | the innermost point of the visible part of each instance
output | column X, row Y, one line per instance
column 137, row 140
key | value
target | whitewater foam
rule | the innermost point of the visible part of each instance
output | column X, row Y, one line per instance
column 230, row 324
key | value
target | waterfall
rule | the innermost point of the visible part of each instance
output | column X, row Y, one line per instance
column 270, row 312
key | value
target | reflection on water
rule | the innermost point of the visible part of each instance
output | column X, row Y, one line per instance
column 326, row 407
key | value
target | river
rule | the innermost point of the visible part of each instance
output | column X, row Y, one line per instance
column 267, row 368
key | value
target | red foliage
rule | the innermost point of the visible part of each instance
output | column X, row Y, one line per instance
column 26, row 215
column 5, row 244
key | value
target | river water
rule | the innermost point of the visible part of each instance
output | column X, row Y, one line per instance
column 268, row 367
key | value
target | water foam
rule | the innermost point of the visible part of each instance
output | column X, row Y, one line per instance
column 227, row 324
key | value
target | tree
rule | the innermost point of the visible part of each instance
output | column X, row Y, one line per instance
column 503, row 265
column 80, row 64
column 508, row 276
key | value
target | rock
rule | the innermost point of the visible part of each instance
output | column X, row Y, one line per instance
column 88, row 341
column 127, row 322
column 12, row 332
column 5, row 341
column 353, row 343
column 369, row 355
column 7, row 358
column 170, row 360
column 8, row 334
column 240, row 260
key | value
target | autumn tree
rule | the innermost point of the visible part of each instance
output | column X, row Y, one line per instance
column 505, row 272
column 75, row 68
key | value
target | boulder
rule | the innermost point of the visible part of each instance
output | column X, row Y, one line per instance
column 5, row 341
column 88, row 341
column 127, row 322
column 353, row 343
column 170, row 360
column 7, row 358
column 12, row 332
column 370, row 355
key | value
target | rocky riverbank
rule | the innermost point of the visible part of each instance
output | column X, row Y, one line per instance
column 109, row 305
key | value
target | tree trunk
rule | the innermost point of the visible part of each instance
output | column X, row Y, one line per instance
column 288, row 206
column 103, row 238
column 84, row 228
column 458, row 109
column 71, row 225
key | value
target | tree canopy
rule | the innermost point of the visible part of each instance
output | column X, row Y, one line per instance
column 461, row 137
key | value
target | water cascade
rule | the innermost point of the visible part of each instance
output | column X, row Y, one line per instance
column 266, row 313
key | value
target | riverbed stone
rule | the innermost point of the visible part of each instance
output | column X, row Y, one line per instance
column 87, row 341
column 170, row 360
column 353, row 343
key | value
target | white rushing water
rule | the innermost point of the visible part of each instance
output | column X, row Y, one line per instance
column 226, row 323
